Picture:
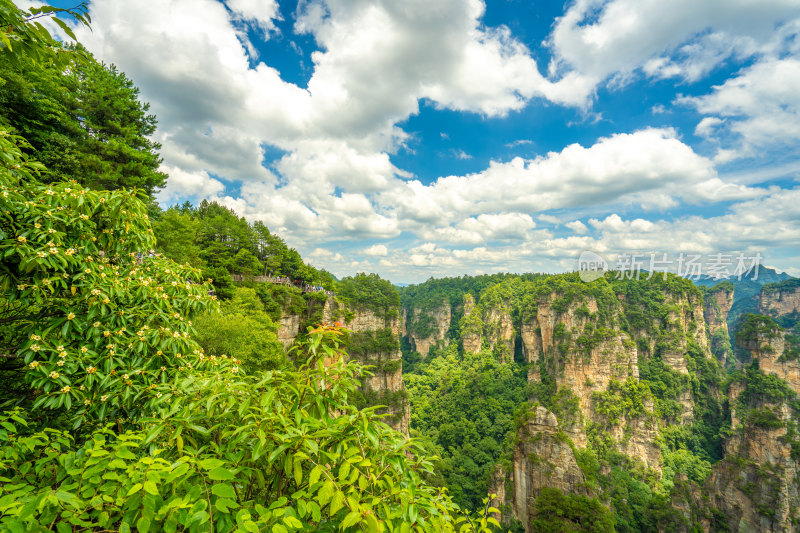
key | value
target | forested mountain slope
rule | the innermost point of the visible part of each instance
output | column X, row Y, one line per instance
column 621, row 413
column 185, row 369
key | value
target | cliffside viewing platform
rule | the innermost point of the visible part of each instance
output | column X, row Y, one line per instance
column 282, row 280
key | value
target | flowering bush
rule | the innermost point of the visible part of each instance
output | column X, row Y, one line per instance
column 103, row 322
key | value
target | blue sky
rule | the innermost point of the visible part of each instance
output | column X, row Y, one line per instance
column 419, row 138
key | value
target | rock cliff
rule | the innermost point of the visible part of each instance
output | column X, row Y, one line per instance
column 427, row 326
column 542, row 458
column 756, row 487
column 586, row 347
column 374, row 340
column 717, row 304
column 471, row 326
column 780, row 299
column 588, row 361
column 629, row 408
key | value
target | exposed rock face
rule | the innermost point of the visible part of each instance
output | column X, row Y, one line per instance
column 366, row 320
column 686, row 322
column 757, row 486
column 498, row 330
column 387, row 379
column 289, row 323
column 436, row 320
column 289, row 328
column 471, row 326
column 716, row 307
column 550, row 332
column 779, row 301
column 605, row 356
column 770, row 363
column 386, row 383
column 542, row 458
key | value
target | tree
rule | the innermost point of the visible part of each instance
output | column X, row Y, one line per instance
column 283, row 451
column 242, row 330
column 369, row 291
column 23, row 38
column 85, row 123
column 101, row 321
column 176, row 235
column 755, row 332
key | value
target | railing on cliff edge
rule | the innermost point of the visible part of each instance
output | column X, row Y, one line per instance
column 282, row 280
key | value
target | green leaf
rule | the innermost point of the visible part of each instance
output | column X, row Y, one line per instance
column 143, row 524
column 151, row 488
column 64, row 27
column 298, row 473
column 291, row 521
column 223, row 504
column 279, row 528
column 313, row 477
column 325, row 493
column 223, row 490
column 351, row 519
column 220, row 474
column 336, row 503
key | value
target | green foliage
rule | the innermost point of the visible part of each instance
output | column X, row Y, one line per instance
column 176, row 233
column 86, row 124
column 622, row 400
column 105, row 332
column 422, row 324
column 762, row 388
column 282, row 451
column 791, row 349
column 24, row 39
column 100, row 327
column 648, row 302
column 242, row 330
column 373, row 344
column 684, row 461
column 464, row 407
column 216, row 239
column 754, row 332
column 560, row 513
column 369, row 291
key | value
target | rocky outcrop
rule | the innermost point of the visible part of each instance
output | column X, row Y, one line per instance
column 685, row 323
column 780, row 299
column 471, row 326
column 774, row 361
column 587, row 358
column 716, row 306
column 542, row 458
column 385, row 386
column 428, row 327
column 289, row 328
column 498, row 331
column 757, row 486
column 328, row 312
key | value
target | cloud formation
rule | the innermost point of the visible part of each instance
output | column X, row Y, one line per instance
column 318, row 162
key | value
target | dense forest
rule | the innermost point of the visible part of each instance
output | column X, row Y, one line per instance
column 183, row 368
column 471, row 401
column 115, row 417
